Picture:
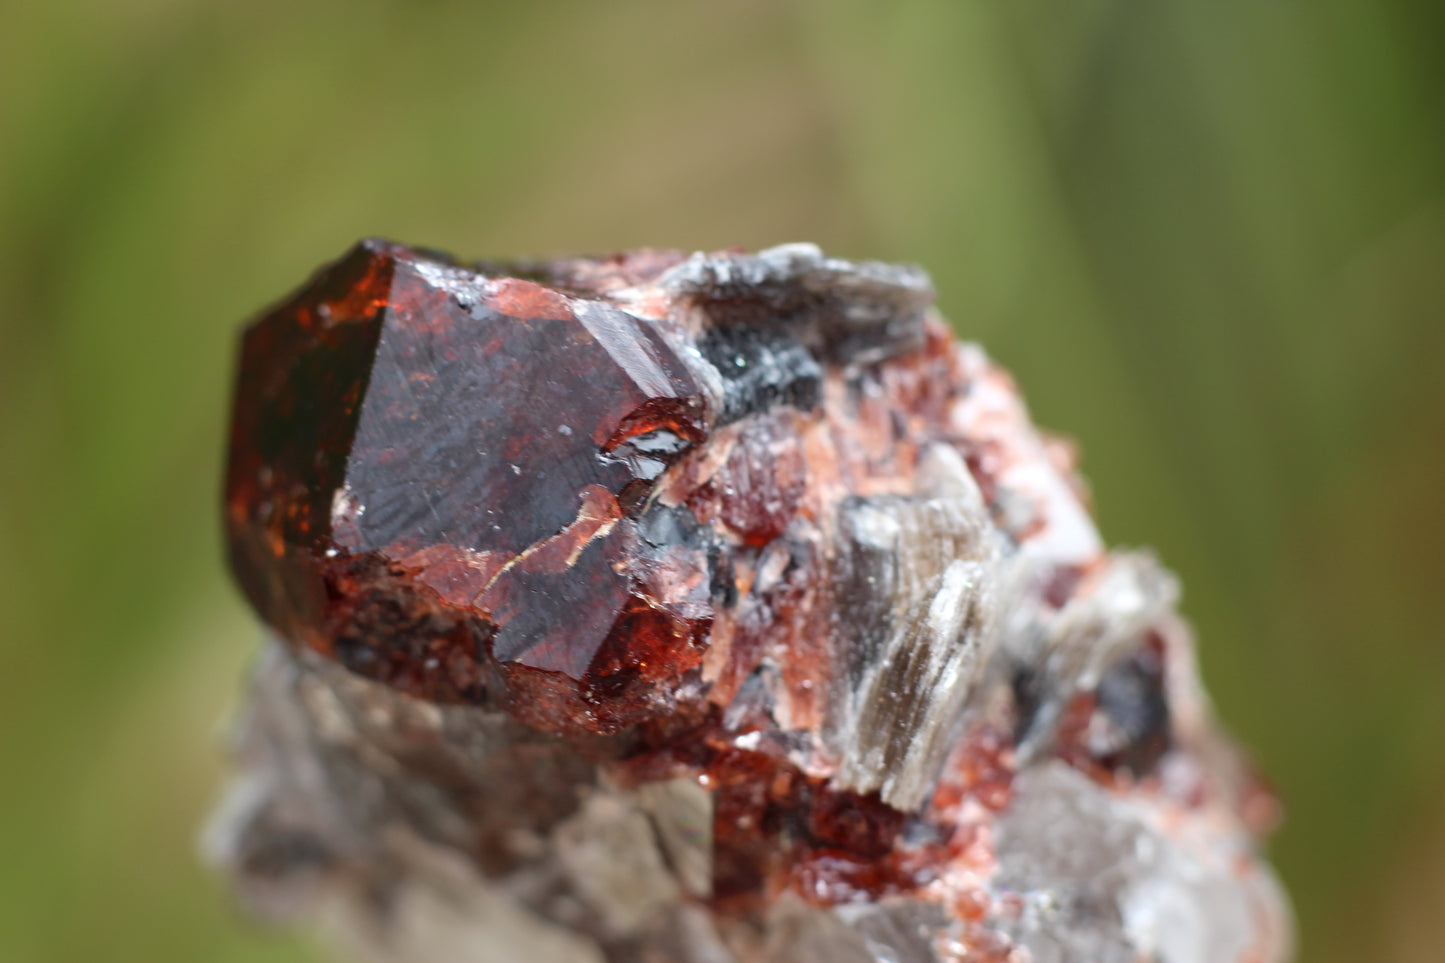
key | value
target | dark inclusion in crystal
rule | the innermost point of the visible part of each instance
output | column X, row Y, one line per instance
column 428, row 464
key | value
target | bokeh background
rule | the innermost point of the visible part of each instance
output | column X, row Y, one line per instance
column 1209, row 237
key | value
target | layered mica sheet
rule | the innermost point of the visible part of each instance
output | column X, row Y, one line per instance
column 707, row 609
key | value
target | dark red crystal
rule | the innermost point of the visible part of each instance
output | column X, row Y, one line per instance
column 432, row 469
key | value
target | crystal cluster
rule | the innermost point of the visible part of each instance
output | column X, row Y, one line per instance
column 708, row 609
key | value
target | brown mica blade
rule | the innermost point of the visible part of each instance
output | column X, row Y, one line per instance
column 709, row 609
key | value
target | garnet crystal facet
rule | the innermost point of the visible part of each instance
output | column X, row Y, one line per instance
column 706, row 609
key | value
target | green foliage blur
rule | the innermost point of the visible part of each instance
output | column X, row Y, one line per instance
column 1208, row 236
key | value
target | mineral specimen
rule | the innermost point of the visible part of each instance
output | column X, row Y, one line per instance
column 707, row 609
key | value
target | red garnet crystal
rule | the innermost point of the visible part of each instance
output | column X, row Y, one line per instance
column 708, row 609
column 432, row 471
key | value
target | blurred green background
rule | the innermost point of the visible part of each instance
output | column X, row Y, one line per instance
column 1208, row 236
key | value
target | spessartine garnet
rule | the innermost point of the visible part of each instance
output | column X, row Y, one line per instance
column 709, row 608
column 431, row 469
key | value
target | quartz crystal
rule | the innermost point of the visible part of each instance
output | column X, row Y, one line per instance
column 708, row 609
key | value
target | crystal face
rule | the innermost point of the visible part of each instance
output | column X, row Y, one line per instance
column 717, row 608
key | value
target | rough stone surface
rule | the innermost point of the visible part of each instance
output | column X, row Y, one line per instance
column 708, row 609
